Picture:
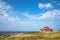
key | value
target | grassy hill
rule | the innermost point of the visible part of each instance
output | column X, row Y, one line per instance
column 31, row 36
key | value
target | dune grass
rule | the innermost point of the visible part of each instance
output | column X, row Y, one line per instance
column 33, row 36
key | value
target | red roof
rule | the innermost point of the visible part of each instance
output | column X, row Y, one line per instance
column 46, row 29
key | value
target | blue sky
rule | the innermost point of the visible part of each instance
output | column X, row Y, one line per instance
column 29, row 15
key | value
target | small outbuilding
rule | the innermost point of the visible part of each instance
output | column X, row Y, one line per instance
column 46, row 29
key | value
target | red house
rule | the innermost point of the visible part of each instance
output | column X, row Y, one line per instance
column 46, row 29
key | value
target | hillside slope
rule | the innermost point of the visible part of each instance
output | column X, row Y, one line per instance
column 33, row 36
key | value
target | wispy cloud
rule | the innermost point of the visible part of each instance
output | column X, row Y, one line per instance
column 42, row 5
column 33, row 17
column 5, row 11
column 5, row 16
column 50, row 14
column 46, row 15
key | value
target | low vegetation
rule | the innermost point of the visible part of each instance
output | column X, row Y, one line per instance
column 31, row 36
